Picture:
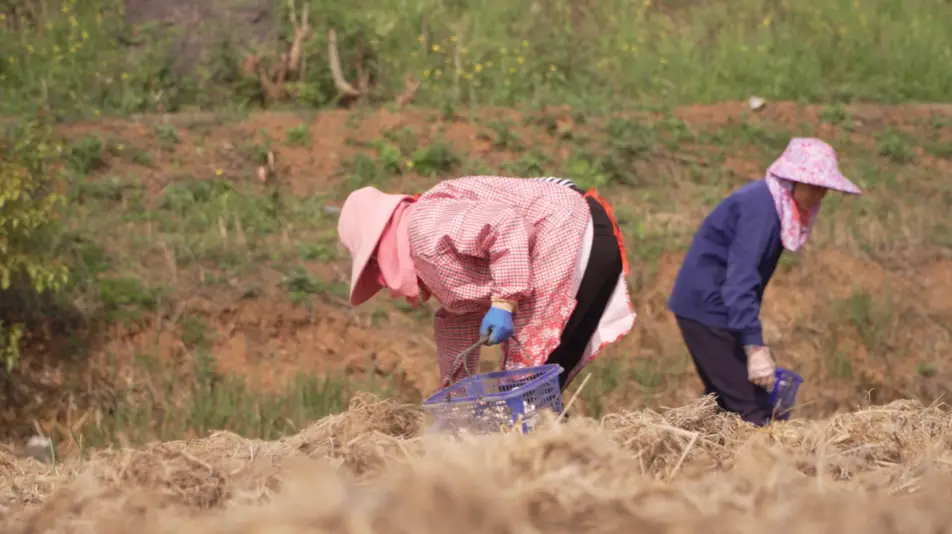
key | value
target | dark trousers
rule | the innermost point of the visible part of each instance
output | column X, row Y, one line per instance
column 598, row 283
column 721, row 362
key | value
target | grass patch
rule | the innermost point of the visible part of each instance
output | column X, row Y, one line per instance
column 77, row 58
column 172, row 408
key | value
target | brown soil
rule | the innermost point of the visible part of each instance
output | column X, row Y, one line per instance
column 269, row 339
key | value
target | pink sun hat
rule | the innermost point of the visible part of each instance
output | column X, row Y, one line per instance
column 363, row 219
column 811, row 161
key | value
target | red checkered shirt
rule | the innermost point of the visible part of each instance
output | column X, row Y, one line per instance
column 477, row 238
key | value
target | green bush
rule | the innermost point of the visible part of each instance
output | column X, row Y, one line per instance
column 29, row 210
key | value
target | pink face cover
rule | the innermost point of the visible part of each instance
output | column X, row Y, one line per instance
column 373, row 229
column 806, row 161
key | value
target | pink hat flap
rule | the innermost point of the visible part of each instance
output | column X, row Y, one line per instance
column 811, row 161
column 363, row 219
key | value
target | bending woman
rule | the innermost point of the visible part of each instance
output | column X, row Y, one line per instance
column 718, row 292
column 535, row 264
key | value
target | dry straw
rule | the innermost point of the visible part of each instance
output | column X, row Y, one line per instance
column 370, row 470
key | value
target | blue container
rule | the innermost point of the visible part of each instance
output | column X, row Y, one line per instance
column 489, row 402
column 784, row 394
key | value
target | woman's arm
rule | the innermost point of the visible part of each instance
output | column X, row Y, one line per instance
column 752, row 239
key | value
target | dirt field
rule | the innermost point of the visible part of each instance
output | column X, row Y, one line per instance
column 249, row 271
column 880, row 470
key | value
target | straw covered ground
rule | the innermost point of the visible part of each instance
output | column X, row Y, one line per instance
column 372, row 469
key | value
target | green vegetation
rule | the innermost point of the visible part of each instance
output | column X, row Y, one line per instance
column 179, row 272
column 81, row 57
column 29, row 214
column 204, row 400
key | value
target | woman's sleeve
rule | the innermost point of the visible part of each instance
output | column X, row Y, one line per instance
column 491, row 231
column 753, row 237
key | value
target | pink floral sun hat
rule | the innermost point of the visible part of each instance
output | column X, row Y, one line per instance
column 811, row 161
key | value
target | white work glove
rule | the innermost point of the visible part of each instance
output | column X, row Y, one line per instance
column 760, row 366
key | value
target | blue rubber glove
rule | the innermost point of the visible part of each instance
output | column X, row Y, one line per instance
column 498, row 324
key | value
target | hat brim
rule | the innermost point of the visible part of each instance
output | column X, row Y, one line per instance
column 366, row 285
column 363, row 219
column 834, row 182
column 363, row 271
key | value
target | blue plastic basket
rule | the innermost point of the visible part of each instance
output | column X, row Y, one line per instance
column 784, row 394
column 489, row 402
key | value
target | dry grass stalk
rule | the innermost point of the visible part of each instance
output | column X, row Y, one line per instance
column 369, row 469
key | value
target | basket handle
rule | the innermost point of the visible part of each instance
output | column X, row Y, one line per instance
column 460, row 360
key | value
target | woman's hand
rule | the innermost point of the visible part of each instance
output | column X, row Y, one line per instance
column 498, row 323
column 761, row 368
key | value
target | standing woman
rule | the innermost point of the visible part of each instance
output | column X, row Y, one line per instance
column 534, row 264
column 718, row 292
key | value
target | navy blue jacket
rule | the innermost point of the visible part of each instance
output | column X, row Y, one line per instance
column 734, row 253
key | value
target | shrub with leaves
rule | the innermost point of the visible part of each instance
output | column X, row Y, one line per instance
column 29, row 210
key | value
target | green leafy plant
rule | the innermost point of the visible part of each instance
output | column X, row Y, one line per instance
column 29, row 209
